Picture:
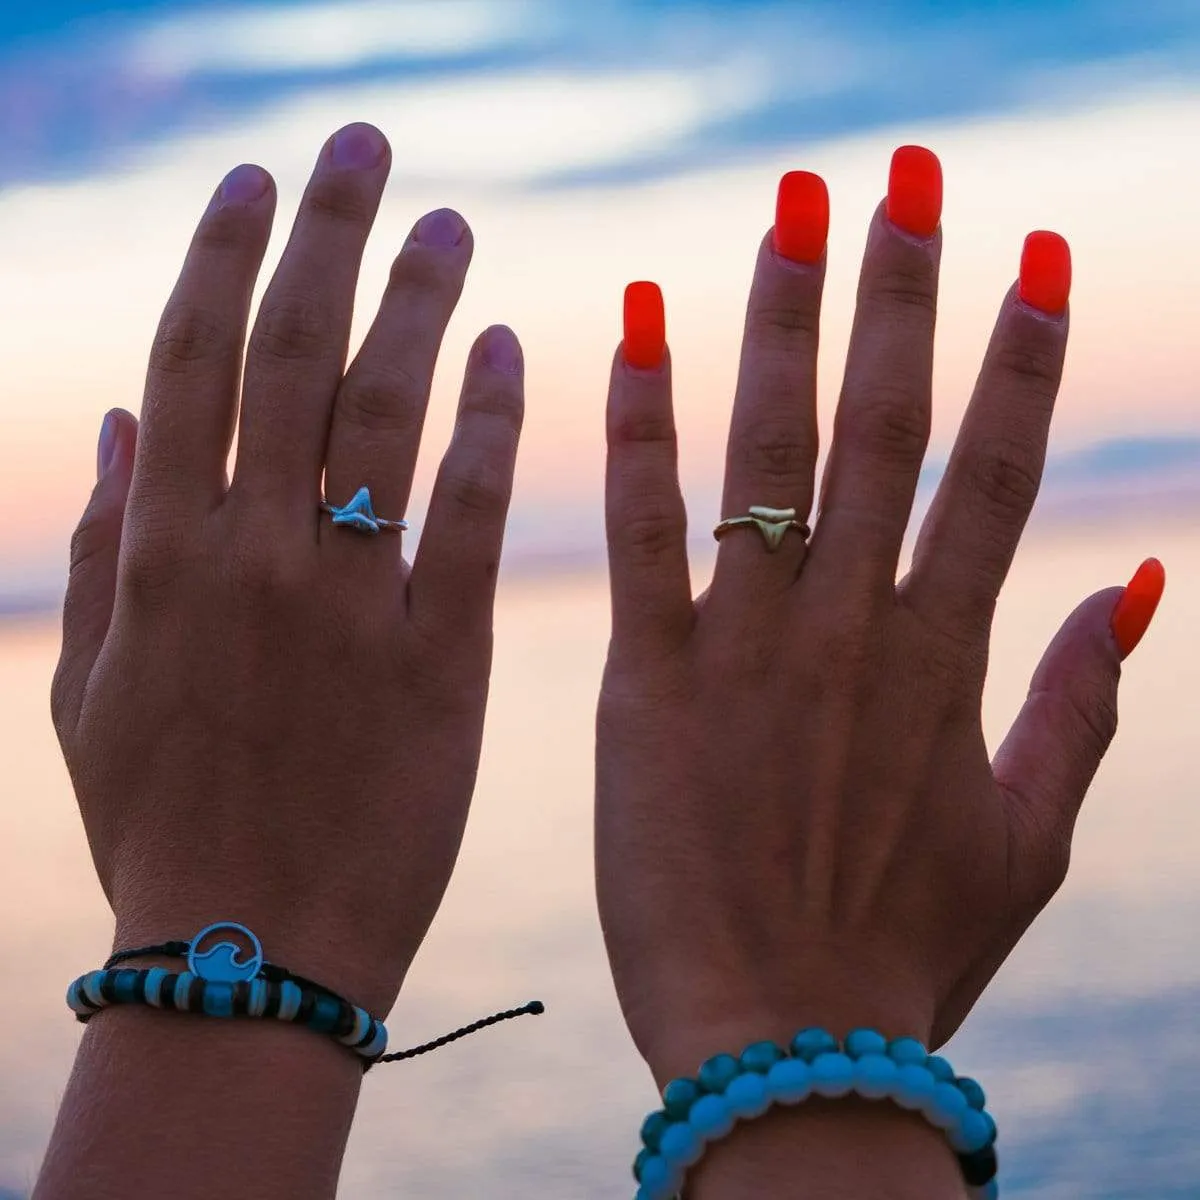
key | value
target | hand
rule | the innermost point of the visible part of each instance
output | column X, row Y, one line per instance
column 269, row 719
column 798, row 822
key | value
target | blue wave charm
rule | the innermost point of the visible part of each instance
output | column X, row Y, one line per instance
column 225, row 962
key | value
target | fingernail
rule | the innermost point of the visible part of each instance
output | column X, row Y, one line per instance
column 1135, row 609
column 358, row 147
column 645, row 326
column 501, row 350
column 914, row 199
column 801, row 217
column 443, row 227
column 1045, row 272
column 106, row 449
column 244, row 184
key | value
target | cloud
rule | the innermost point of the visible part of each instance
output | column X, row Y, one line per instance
column 324, row 37
column 79, row 103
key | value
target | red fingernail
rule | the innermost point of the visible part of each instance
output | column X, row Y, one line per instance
column 1045, row 272
column 914, row 200
column 1135, row 609
column 645, row 326
column 801, row 217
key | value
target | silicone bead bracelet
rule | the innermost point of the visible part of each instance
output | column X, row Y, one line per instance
column 697, row 1112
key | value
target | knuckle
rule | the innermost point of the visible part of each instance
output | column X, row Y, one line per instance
column 187, row 335
column 387, row 403
column 263, row 578
column 642, row 425
column 1033, row 364
column 776, row 449
column 478, row 487
column 650, row 531
column 340, row 201
column 888, row 423
column 503, row 407
column 773, row 323
column 907, row 286
column 413, row 271
column 290, row 327
column 1005, row 480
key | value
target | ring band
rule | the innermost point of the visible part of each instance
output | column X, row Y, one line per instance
column 360, row 516
column 772, row 523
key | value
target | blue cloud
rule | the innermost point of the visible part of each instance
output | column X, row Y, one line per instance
column 78, row 91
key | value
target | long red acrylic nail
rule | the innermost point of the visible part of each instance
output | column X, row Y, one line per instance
column 801, row 217
column 1045, row 272
column 914, row 200
column 645, row 326
column 1135, row 609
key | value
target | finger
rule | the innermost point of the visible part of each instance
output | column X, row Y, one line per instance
column 970, row 534
column 773, row 439
column 191, row 394
column 1050, row 755
column 882, row 424
column 381, row 404
column 297, row 349
column 91, row 585
column 454, row 575
column 644, row 512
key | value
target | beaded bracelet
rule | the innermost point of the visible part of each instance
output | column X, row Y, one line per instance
column 220, row 982
column 726, row 1090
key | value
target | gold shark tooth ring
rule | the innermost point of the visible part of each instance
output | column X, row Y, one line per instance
column 772, row 523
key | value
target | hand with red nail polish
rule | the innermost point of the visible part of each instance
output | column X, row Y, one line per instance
column 798, row 819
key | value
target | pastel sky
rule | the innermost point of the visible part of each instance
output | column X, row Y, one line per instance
column 590, row 144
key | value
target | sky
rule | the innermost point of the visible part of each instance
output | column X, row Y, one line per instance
column 590, row 144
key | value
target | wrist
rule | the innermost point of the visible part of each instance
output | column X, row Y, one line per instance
column 684, row 1027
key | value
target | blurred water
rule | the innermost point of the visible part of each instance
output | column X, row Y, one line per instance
column 1088, row 1043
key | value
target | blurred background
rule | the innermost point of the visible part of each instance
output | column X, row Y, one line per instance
column 590, row 144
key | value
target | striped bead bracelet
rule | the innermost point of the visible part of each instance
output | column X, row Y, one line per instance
column 228, row 980
column 728, row 1089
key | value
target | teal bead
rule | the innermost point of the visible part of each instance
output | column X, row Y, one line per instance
column 789, row 1081
column 640, row 1162
column 946, row 1106
column 747, row 1096
column 973, row 1092
column 124, row 985
column 718, row 1073
column 907, row 1051
column 875, row 1076
column 711, row 1117
column 832, row 1075
column 864, row 1041
column 324, row 1015
column 760, row 1057
column 681, row 1145
column 218, row 999
column 914, row 1086
column 989, row 1191
column 809, row 1043
column 652, row 1129
column 678, row 1097
column 974, row 1131
column 656, row 1175
column 940, row 1069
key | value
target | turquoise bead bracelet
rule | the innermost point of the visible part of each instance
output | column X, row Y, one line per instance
column 697, row 1112
column 228, row 980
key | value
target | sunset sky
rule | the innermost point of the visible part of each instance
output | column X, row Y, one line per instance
column 590, row 144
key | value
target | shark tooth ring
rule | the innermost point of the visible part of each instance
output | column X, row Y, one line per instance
column 360, row 516
column 772, row 523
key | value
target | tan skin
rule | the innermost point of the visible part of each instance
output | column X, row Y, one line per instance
column 234, row 669
column 797, row 819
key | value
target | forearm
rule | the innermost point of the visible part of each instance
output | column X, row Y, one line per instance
column 192, row 1107
column 830, row 1150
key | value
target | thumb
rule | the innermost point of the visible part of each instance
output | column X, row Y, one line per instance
column 91, row 585
column 1051, row 754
